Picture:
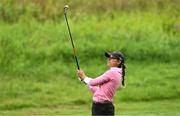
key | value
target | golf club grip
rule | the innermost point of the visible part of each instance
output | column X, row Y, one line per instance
column 74, row 51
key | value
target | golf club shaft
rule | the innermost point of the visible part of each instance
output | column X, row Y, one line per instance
column 74, row 50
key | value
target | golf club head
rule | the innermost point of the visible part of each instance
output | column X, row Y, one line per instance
column 66, row 7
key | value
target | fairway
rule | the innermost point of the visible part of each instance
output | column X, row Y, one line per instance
column 155, row 108
column 65, row 96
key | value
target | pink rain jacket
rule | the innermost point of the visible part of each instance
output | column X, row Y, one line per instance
column 105, row 86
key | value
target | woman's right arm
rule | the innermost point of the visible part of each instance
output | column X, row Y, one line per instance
column 93, row 88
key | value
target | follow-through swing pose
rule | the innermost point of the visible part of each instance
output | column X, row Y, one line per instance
column 105, row 86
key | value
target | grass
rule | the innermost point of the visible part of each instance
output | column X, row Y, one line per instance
column 38, row 73
column 34, row 46
column 14, row 10
column 146, row 93
column 155, row 108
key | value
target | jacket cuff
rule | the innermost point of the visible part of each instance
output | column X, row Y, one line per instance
column 87, row 80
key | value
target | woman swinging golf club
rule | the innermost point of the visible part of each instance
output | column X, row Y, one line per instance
column 105, row 86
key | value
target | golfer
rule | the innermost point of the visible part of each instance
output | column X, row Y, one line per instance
column 105, row 86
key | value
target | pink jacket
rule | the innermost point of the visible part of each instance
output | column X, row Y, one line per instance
column 105, row 86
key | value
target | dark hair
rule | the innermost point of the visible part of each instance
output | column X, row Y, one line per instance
column 122, row 65
column 118, row 56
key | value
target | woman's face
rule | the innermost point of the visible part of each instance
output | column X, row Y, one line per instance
column 113, row 62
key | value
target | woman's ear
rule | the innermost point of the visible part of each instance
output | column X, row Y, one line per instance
column 119, row 62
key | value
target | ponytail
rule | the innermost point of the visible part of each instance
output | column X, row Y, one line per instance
column 123, row 74
column 122, row 65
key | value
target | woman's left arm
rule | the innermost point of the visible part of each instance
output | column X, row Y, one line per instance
column 99, row 80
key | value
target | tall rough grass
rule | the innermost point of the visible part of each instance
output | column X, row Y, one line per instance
column 43, row 10
column 27, row 45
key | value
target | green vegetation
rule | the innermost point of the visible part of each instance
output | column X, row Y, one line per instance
column 37, row 69
column 29, row 47
column 147, row 92
column 43, row 10
column 158, row 108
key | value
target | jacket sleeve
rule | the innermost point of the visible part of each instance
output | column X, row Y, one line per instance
column 101, row 79
column 93, row 88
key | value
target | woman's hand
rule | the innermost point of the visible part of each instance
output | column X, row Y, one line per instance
column 81, row 74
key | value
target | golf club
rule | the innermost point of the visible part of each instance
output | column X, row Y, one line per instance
column 74, row 50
